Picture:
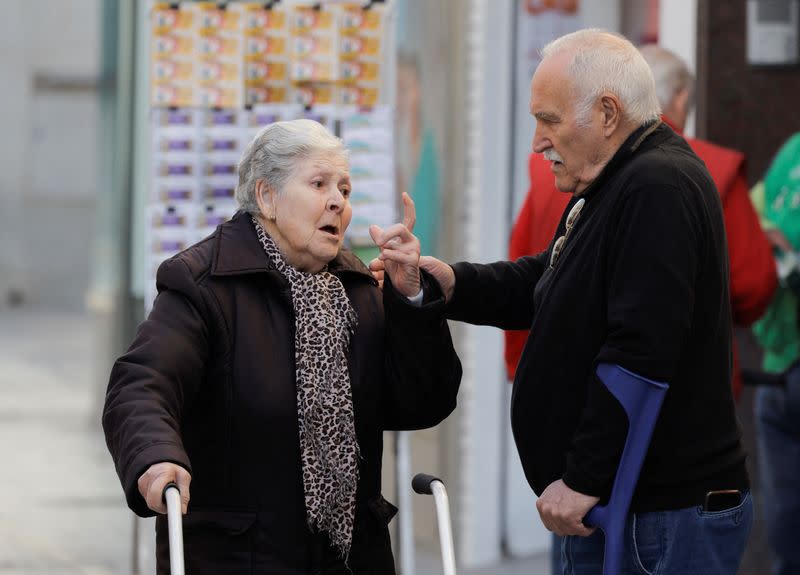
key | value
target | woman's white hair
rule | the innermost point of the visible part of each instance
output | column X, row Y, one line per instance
column 274, row 153
column 606, row 62
column 669, row 72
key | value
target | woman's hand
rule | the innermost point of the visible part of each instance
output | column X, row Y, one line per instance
column 377, row 268
column 156, row 478
column 399, row 251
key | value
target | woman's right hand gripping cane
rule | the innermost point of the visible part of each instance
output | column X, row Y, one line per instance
column 153, row 481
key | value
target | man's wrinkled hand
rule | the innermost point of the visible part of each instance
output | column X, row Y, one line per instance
column 442, row 273
column 562, row 510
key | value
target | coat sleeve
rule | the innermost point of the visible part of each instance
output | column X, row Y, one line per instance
column 150, row 384
column 653, row 257
column 498, row 294
column 501, row 294
column 753, row 277
column 422, row 369
column 520, row 244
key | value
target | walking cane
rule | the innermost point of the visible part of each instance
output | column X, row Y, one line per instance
column 175, row 521
column 641, row 398
column 427, row 485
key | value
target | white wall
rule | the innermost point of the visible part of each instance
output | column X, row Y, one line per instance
column 677, row 31
column 47, row 148
column 13, row 118
column 488, row 93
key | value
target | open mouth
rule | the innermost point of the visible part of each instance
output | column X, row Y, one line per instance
column 332, row 230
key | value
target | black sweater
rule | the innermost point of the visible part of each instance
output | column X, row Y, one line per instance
column 642, row 282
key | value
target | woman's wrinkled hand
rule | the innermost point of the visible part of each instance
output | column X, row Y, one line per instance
column 399, row 252
column 377, row 268
column 153, row 481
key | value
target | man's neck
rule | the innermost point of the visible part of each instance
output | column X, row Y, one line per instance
column 608, row 151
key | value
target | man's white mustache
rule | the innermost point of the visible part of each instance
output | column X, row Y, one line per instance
column 552, row 156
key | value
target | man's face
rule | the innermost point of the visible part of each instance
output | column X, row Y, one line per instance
column 573, row 149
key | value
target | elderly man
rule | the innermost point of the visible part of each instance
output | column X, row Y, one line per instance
column 636, row 276
column 752, row 268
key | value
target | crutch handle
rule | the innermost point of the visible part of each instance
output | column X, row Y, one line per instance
column 641, row 398
column 172, row 496
column 422, row 483
column 425, row 484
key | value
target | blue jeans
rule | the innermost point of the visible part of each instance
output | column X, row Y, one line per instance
column 778, row 428
column 684, row 541
column 555, row 555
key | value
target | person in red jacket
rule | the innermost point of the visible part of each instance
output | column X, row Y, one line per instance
column 752, row 266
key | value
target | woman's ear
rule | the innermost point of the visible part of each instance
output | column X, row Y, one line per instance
column 265, row 199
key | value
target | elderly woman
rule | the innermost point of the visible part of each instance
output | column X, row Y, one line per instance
column 269, row 368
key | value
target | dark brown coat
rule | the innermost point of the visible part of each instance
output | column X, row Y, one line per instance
column 209, row 383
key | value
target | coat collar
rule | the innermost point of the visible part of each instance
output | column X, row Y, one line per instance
column 238, row 252
column 669, row 123
column 631, row 145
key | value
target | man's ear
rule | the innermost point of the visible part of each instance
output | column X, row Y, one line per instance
column 612, row 113
column 265, row 199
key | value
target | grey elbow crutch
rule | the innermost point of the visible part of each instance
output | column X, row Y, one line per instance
column 429, row 485
column 175, row 522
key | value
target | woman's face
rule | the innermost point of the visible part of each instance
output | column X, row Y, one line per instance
column 308, row 219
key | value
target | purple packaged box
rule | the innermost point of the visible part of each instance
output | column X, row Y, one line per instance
column 178, row 169
column 214, row 220
column 178, row 118
column 223, row 169
column 264, row 119
column 222, row 192
column 169, row 246
column 177, row 145
column 222, row 144
column 171, row 220
column 177, row 194
column 222, row 118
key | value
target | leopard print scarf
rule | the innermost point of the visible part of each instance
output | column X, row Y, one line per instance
column 324, row 322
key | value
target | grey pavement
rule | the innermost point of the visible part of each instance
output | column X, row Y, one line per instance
column 61, row 510
column 61, row 506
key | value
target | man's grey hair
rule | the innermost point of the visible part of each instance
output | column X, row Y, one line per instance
column 274, row 153
column 607, row 62
column 670, row 73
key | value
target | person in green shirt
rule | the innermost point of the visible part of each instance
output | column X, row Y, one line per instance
column 777, row 409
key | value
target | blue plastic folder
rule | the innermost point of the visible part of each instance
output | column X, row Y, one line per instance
column 641, row 398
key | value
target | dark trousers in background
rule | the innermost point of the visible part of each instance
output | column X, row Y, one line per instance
column 777, row 411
